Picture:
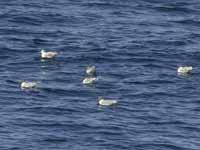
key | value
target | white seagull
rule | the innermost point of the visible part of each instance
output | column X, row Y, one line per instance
column 106, row 102
column 184, row 70
column 28, row 85
column 45, row 54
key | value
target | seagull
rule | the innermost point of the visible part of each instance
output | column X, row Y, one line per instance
column 45, row 54
column 89, row 80
column 91, row 70
column 184, row 70
column 28, row 85
column 106, row 102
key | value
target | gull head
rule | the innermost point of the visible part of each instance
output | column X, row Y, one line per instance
column 42, row 51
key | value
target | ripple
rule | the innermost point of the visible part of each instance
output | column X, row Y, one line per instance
column 136, row 47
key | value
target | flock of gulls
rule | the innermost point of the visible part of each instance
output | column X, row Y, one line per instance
column 91, row 77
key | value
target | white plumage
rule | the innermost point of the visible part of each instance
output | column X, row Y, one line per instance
column 184, row 70
column 28, row 85
column 45, row 54
column 91, row 70
column 106, row 102
column 89, row 80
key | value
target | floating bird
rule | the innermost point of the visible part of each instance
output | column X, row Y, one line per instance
column 91, row 70
column 28, row 85
column 45, row 54
column 184, row 70
column 89, row 80
column 106, row 102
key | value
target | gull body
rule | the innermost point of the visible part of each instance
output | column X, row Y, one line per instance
column 28, row 85
column 89, row 80
column 91, row 70
column 106, row 102
column 45, row 54
column 184, row 70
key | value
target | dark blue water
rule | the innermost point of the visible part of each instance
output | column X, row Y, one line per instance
column 136, row 46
